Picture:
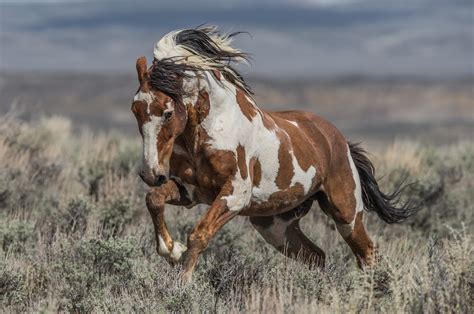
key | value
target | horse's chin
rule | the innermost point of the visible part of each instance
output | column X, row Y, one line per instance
column 150, row 181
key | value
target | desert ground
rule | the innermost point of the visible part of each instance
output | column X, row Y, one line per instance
column 75, row 234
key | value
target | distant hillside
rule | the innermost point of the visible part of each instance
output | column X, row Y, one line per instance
column 364, row 108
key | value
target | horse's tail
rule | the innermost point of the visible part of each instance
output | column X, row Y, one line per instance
column 385, row 205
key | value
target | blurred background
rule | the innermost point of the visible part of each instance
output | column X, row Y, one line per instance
column 380, row 70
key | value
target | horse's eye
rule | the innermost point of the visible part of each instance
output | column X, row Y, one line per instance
column 167, row 115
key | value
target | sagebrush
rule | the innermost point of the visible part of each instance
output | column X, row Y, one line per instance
column 75, row 236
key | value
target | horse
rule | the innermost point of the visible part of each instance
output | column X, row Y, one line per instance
column 205, row 141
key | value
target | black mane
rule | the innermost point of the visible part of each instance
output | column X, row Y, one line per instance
column 167, row 74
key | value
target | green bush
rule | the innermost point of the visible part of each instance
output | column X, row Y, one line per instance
column 63, row 250
column 111, row 256
column 115, row 215
column 15, row 235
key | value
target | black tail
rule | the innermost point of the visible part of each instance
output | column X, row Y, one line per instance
column 385, row 205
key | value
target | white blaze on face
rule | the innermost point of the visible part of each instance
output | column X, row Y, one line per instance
column 150, row 132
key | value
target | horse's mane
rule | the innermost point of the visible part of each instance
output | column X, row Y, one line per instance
column 197, row 49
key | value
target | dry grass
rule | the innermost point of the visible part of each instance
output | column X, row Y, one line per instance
column 75, row 236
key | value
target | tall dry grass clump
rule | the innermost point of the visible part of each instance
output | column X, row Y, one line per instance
column 75, row 236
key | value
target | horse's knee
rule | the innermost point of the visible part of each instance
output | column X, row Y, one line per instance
column 155, row 198
column 198, row 240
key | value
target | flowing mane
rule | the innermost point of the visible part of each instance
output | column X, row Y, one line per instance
column 198, row 49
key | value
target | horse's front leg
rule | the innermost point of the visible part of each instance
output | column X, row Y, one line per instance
column 223, row 209
column 155, row 202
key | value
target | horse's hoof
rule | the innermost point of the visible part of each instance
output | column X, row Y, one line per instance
column 185, row 277
column 174, row 257
column 178, row 250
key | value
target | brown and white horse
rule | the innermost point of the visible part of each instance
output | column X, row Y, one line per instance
column 206, row 142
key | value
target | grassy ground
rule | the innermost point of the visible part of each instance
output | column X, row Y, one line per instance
column 75, row 236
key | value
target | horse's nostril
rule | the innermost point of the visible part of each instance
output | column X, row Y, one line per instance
column 160, row 180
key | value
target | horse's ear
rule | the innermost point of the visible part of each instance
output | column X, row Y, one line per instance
column 141, row 69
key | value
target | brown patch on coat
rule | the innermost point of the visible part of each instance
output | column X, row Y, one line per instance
column 360, row 243
column 248, row 109
column 267, row 120
column 285, row 169
column 202, row 106
column 299, row 141
column 255, row 171
column 241, row 161
column 278, row 202
column 340, row 186
column 217, row 74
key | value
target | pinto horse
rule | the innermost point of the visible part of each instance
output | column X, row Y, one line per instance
column 205, row 141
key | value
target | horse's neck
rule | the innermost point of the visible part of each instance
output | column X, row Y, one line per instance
column 221, row 110
column 229, row 104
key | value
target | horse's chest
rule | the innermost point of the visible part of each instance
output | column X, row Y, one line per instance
column 204, row 176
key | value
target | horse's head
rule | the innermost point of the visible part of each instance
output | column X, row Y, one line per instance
column 160, row 120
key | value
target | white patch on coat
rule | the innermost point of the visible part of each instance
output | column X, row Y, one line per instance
column 294, row 123
column 146, row 97
column 175, row 254
column 228, row 127
column 169, row 106
column 241, row 194
column 358, row 188
column 178, row 250
column 305, row 178
column 162, row 248
column 150, row 131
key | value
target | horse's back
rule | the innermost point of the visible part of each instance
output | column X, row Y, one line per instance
column 322, row 138
column 310, row 123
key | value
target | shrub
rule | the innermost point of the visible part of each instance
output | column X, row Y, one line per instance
column 15, row 234
column 12, row 286
column 115, row 214
column 111, row 256
column 74, row 218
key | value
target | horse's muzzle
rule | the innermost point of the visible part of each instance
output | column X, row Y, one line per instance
column 153, row 181
column 159, row 180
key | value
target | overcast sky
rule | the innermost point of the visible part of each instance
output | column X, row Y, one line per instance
column 288, row 38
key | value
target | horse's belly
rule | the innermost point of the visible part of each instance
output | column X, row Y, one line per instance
column 268, row 204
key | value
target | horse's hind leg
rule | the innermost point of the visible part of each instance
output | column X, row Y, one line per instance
column 349, row 224
column 284, row 233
